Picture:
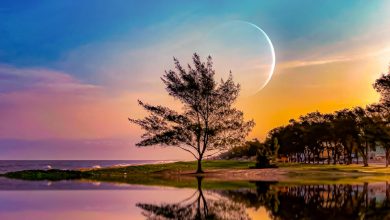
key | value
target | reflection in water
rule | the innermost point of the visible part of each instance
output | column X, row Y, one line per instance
column 318, row 201
column 196, row 206
column 228, row 200
column 360, row 201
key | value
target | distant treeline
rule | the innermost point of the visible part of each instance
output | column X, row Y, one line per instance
column 340, row 137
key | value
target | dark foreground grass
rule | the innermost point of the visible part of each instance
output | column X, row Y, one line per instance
column 52, row 175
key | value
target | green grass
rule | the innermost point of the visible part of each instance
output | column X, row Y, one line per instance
column 334, row 174
column 352, row 168
column 151, row 174
column 171, row 174
column 172, row 168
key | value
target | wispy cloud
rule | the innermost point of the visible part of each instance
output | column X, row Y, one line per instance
column 44, row 103
column 302, row 63
column 14, row 79
column 344, row 57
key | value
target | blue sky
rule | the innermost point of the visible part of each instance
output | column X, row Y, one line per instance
column 38, row 33
column 64, row 63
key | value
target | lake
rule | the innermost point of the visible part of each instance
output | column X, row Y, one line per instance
column 197, row 199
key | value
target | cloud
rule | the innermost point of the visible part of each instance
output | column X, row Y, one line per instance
column 343, row 56
column 134, row 66
column 44, row 103
column 47, row 114
column 14, row 79
column 302, row 63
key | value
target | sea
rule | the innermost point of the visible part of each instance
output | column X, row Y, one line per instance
column 17, row 165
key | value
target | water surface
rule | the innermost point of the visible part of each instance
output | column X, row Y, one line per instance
column 83, row 199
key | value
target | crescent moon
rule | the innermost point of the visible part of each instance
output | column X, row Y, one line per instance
column 257, row 32
column 272, row 54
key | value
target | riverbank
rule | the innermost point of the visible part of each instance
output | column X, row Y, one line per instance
column 216, row 170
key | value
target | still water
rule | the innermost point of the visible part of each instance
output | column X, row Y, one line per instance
column 244, row 200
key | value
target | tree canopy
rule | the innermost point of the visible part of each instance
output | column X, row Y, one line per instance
column 341, row 136
column 208, row 122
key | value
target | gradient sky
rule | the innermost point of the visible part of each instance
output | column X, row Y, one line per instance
column 71, row 71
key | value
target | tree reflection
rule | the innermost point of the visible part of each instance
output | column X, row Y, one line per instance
column 198, row 206
column 317, row 201
column 335, row 201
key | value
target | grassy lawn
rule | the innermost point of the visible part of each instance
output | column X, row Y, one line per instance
column 171, row 168
column 352, row 168
column 150, row 174
column 334, row 174
column 170, row 174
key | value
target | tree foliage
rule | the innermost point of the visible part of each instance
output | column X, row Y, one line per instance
column 341, row 136
column 208, row 122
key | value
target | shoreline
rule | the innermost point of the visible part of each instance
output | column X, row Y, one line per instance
column 216, row 170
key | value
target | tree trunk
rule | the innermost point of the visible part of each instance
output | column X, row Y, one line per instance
column 350, row 157
column 318, row 157
column 199, row 170
column 365, row 160
column 345, row 156
column 357, row 157
column 366, row 156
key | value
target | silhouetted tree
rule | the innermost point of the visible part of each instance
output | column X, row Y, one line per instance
column 381, row 130
column 316, row 137
column 208, row 124
column 382, row 85
column 346, row 132
column 366, row 137
column 381, row 113
column 246, row 151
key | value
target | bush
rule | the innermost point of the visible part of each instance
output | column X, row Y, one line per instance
column 246, row 151
column 266, row 155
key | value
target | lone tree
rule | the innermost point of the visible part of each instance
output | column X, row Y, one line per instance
column 208, row 123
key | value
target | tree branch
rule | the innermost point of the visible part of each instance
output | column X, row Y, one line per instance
column 188, row 151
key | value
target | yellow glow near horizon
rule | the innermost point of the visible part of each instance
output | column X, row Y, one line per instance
column 300, row 90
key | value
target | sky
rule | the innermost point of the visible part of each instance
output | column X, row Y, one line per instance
column 71, row 71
